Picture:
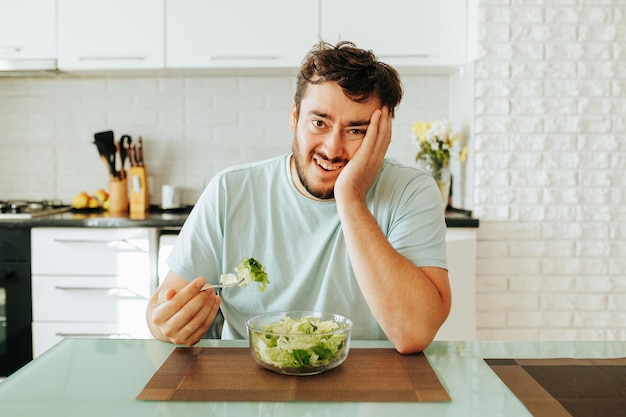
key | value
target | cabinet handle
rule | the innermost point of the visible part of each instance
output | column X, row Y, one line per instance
column 112, row 58
column 243, row 57
column 95, row 335
column 84, row 240
column 97, row 241
column 120, row 291
column 9, row 49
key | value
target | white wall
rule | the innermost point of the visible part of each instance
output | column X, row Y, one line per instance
column 192, row 126
column 550, row 181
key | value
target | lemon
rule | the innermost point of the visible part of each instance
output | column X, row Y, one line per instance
column 81, row 200
column 93, row 202
column 101, row 195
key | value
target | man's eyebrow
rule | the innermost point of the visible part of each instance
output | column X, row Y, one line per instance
column 319, row 113
column 326, row 116
column 359, row 123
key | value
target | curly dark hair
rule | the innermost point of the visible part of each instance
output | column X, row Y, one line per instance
column 357, row 71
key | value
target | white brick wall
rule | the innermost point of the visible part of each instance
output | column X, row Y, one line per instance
column 191, row 126
column 550, row 186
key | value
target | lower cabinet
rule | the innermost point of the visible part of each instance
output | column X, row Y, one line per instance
column 91, row 283
column 95, row 283
column 461, row 252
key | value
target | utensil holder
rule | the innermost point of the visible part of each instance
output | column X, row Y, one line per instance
column 139, row 198
column 118, row 195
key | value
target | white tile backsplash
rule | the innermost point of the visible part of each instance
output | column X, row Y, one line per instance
column 192, row 127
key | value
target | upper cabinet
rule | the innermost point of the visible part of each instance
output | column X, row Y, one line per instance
column 157, row 34
column 239, row 33
column 111, row 34
column 400, row 32
column 27, row 30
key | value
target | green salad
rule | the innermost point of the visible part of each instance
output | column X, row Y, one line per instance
column 305, row 342
column 251, row 270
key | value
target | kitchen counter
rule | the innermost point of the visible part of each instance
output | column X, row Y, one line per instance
column 455, row 218
column 460, row 218
column 103, row 378
column 101, row 218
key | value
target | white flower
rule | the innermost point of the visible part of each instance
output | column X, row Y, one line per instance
column 436, row 139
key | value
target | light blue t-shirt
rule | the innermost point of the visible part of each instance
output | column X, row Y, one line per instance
column 256, row 211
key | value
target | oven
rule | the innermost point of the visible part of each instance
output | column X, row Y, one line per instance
column 16, row 346
column 15, row 299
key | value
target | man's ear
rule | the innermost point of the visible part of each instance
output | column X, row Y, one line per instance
column 293, row 117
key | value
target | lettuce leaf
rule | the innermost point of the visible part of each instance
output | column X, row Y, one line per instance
column 306, row 342
column 251, row 270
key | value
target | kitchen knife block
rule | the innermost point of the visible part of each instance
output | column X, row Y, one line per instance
column 139, row 199
column 118, row 196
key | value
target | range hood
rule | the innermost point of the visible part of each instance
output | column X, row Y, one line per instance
column 28, row 67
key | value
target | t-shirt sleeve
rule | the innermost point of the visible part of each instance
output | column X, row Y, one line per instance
column 416, row 224
column 198, row 248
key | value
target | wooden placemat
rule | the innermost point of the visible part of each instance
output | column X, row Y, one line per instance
column 566, row 387
column 230, row 374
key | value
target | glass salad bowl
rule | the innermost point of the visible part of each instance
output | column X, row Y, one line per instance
column 299, row 342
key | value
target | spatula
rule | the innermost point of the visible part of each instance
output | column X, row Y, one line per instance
column 105, row 142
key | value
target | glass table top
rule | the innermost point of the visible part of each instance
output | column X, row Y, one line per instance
column 103, row 377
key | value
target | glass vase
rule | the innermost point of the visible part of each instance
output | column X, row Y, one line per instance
column 440, row 173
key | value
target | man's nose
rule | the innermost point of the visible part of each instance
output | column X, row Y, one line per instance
column 333, row 144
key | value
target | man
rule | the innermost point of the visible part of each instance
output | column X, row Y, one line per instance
column 338, row 227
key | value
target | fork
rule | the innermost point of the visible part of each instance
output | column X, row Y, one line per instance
column 208, row 286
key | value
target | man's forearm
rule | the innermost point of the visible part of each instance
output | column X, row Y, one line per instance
column 409, row 303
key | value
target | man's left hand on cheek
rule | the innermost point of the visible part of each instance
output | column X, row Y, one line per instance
column 360, row 172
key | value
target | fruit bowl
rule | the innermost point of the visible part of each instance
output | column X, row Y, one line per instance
column 299, row 342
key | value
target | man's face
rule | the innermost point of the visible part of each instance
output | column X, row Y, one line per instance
column 327, row 133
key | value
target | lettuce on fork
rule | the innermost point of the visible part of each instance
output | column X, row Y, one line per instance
column 251, row 270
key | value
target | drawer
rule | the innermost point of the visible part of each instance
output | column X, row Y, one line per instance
column 88, row 299
column 86, row 251
column 46, row 335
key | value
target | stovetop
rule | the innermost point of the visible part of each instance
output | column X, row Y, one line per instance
column 27, row 209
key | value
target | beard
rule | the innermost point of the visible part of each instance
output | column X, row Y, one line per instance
column 300, row 162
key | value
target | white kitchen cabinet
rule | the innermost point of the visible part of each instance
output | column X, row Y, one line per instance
column 400, row 32
column 89, row 282
column 461, row 253
column 113, row 34
column 28, row 30
column 239, row 33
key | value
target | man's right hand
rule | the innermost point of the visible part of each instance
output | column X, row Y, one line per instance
column 179, row 312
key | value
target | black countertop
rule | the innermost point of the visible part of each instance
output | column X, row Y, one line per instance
column 460, row 218
column 102, row 218
column 163, row 219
